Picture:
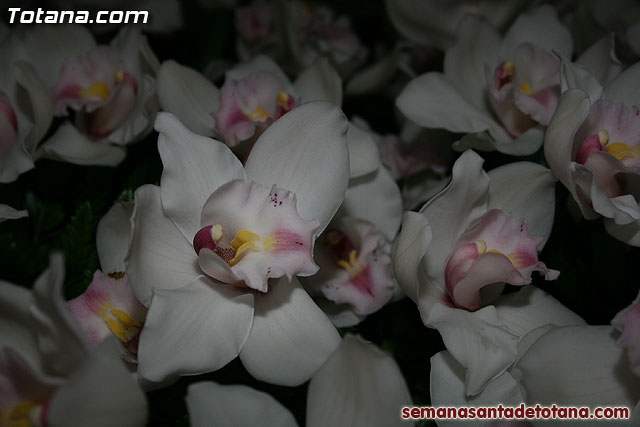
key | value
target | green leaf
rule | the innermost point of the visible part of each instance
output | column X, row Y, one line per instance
column 78, row 245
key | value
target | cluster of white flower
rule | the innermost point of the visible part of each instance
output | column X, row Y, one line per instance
column 279, row 224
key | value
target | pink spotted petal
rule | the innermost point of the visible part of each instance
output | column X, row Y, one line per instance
column 628, row 322
column 105, row 291
column 503, row 233
column 370, row 288
column 81, row 72
column 285, row 244
column 8, row 126
column 622, row 123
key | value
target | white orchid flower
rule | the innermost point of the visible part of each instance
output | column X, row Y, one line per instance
column 592, row 148
column 22, row 124
column 501, row 92
column 206, row 242
column 359, row 385
column 355, row 278
column 481, row 230
column 253, row 96
column 108, row 306
column 109, row 90
column 529, row 309
column 48, row 375
column 577, row 366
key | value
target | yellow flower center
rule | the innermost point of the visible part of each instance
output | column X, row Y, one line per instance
column 517, row 260
column 259, row 114
column 97, row 90
column 351, row 265
column 122, row 325
column 24, row 414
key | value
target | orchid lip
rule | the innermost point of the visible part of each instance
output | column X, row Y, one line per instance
column 501, row 250
column 252, row 233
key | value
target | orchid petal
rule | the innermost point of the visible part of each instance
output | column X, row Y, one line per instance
column 14, row 163
column 476, row 46
column 432, row 101
column 577, row 366
column 189, row 95
column 194, row 167
column 16, row 323
column 259, row 63
column 320, row 82
column 341, row 315
column 434, row 24
column 192, row 330
column 160, row 257
column 542, row 26
column 20, row 381
column 59, row 339
column 50, row 45
column 371, row 78
column 525, row 190
column 627, row 233
column 7, row 212
column 376, row 198
column 413, row 241
column 447, row 389
column 477, row 340
column 524, row 145
column 359, row 385
column 600, row 60
column 290, row 337
column 487, row 269
column 364, row 156
column 573, row 109
column 626, row 321
column 133, row 126
column 105, row 384
column 69, row 145
column 113, row 236
column 105, row 297
column 234, row 405
column 623, row 88
column 450, row 212
column 574, row 76
column 305, row 152
column 41, row 108
column 531, row 308
column 132, row 45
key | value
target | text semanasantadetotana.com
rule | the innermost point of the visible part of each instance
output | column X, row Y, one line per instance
column 41, row 16
column 522, row 412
